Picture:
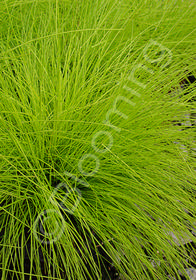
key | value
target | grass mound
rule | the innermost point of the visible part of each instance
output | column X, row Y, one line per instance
column 97, row 139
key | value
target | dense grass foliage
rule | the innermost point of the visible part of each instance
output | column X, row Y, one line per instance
column 99, row 90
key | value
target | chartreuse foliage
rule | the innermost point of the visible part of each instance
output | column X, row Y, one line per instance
column 64, row 65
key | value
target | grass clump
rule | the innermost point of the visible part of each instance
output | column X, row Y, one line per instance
column 97, row 139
